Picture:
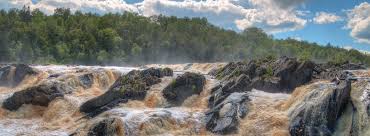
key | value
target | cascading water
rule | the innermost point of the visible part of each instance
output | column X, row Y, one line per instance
column 266, row 113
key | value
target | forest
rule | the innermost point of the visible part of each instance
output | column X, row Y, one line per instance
column 66, row 37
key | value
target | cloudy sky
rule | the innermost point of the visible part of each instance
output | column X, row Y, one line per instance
column 345, row 23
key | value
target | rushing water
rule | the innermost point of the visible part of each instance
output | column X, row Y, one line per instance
column 62, row 116
column 268, row 112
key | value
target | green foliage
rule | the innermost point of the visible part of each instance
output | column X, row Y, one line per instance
column 85, row 38
column 269, row 72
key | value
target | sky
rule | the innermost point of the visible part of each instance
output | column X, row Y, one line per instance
column 343, row 23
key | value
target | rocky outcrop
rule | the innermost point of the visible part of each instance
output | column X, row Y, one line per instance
column 107, row 127
column 11, row 76
column 54, row 86
column 40, row 95
column 224, row 118
column 335, row 70
column 318, row 113
column 183, row 87
column 271, row 75
column 132, row 86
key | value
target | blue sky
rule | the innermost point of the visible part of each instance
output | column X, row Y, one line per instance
column 345, row 23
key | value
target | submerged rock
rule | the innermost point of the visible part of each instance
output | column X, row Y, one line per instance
column 183, row 87
column 87, row 80
column 318, row 113
column 11, row 76
column 107, row 127
column 132, row 86
column 224, row 118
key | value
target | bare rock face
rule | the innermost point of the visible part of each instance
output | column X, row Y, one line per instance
column 183, row 87
column 132, row 86
column 224, row 118
column 271, row 75
column 11, row 76
column 320, row 110
column 331, row 70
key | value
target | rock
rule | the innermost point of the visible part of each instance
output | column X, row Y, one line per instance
column 11, row 76
column 271, row 75
column 86, row 80
column 224, row 118
column 188, row 66
column 320, row 110
column 167, row 72
column 40, row 95
column 183, row 87
column 107, row 127
column 51, row 88
column 239, row 84
column 293, row 73
column 132, row 86
column 329, row 71
column 4, row 78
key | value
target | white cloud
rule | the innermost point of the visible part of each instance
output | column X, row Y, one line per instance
column 359, row 22
column 237, row 13
column 271, row 15
column 96, row 6
column 326, row 18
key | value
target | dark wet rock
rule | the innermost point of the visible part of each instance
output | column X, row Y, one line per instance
column 183, row 87
column 239, row 84
column 225, row 117
column 132, row 86
column 86, row 80
column 293, row 73
column 40, row 95
column 54, row 76
column 214, row 89
column 107, row 127
column 11, row 76
column 320, row 110
column 188, row 66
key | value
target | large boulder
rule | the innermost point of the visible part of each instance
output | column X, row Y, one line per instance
column 318, row 113
column 132, row 86
column 224, row 118
column 221, row 92
column 40, row 95
column 183, row 87
column 11, row 76
column 107, row 127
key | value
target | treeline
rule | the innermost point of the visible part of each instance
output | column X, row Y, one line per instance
column 85, row 38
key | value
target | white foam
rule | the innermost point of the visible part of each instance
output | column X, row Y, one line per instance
column 64, row 69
